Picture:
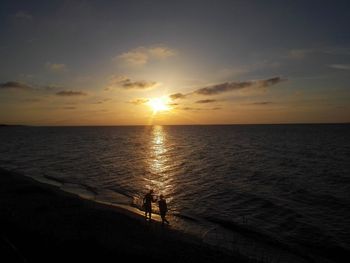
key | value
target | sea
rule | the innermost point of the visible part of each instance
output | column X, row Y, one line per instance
column 278, row 193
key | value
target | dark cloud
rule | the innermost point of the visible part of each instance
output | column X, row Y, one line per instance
column 138, row 84
column 269, row 82
column 231, row 86
column 261, row 103
column 223, row 87
column 69, row 93
column 177, row 96
column 126, row 83
column 15, row 85
column 198, row 109
column 190, row 108
column 205, row 101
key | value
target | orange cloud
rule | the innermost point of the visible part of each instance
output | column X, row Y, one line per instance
column 142, row 55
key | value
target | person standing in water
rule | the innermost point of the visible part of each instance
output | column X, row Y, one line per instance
column 163, row 209
column 147, row 202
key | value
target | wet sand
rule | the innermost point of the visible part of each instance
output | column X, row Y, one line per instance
column 40, row 222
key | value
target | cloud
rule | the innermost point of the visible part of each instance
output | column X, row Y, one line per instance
column 161, row 52
column 189, row 108
column 15, row 85
column 232, row 86
column 341, row 66
column 198, row 109
column 269, row 82
column 23, row 15
column 136, row 57
column 177, row 96
column 20, row 86
column 298, row 54
column 70, row 93
column 138, row 84
column 126, row 83
column 205, row 101
column 139, row 101
column 227, row 87
column 223, row 87
column 142, row 55
column 261, row 103
column 56, row 67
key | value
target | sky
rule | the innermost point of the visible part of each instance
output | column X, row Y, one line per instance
column 205, row 62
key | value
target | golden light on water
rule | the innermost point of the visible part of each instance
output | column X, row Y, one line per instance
column 159, row 150
column 159, row 162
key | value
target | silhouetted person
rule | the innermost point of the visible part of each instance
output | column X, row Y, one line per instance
column 163, row 209
column 147, row 202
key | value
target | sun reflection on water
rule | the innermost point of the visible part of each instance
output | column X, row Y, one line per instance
column 158, row 150
column 159, row 160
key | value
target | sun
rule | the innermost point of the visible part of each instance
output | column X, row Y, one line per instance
column 159, row 104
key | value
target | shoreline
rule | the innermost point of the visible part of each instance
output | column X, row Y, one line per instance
column 40, row 220
column 45, row 215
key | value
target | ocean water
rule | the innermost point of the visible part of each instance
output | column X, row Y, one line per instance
column 285, row 184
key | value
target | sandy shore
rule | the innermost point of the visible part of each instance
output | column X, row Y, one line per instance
column 40, row 222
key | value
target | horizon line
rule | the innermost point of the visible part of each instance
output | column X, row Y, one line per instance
column 137, row 125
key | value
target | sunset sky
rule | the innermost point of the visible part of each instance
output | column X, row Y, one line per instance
column 207, row 62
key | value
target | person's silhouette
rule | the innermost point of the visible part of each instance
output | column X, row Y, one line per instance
column 163, row 209
column 147, row 202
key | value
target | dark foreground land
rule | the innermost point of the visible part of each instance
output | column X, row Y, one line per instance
column 40, row 222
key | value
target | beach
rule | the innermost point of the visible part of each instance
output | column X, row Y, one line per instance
column 236, row 113
column 40, row 222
